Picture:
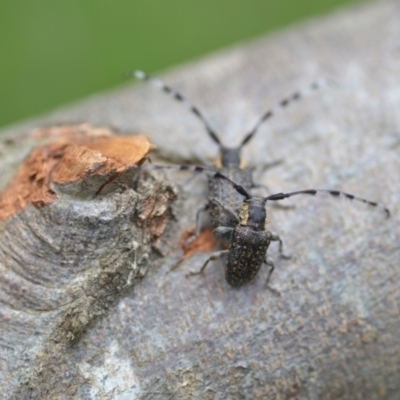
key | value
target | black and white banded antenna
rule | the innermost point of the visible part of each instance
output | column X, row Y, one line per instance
column 177, row 96
column 295, row 96
column 334, row 193
column 274, row 197
column 298, row 95
column 198, row 169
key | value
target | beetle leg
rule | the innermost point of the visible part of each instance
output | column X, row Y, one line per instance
column 200, row 210
column 275, row 238
column 270, row 262
column 213, row 256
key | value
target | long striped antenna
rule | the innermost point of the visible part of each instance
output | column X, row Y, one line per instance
column 176, row 95
column 196, row 169
column 298, row 95
column 274, row 197
column 333, row 193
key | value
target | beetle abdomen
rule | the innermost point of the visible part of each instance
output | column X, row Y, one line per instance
column 246, row 255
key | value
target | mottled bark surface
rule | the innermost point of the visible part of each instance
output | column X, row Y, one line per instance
column 75, row 325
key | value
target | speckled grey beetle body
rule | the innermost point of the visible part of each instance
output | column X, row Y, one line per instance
column 246, row 229
column 248, row 242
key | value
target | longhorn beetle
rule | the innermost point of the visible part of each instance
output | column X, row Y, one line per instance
column 246, row 232
column 229, row 161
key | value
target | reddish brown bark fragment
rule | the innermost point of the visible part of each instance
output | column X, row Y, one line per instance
column 76, row 153
column 205, row 242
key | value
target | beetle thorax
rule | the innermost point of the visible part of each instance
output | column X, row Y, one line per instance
column 230, row 157
column 253, row 214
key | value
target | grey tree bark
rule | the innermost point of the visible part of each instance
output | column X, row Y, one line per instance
column 77, row 323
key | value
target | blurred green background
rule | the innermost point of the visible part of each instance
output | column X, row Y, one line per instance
column 54, row 52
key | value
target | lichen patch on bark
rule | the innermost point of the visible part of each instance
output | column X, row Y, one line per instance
column 74, row 154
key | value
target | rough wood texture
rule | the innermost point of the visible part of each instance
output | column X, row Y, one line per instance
column 334, row 330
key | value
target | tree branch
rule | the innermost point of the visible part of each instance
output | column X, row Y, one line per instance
column 74, row 325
